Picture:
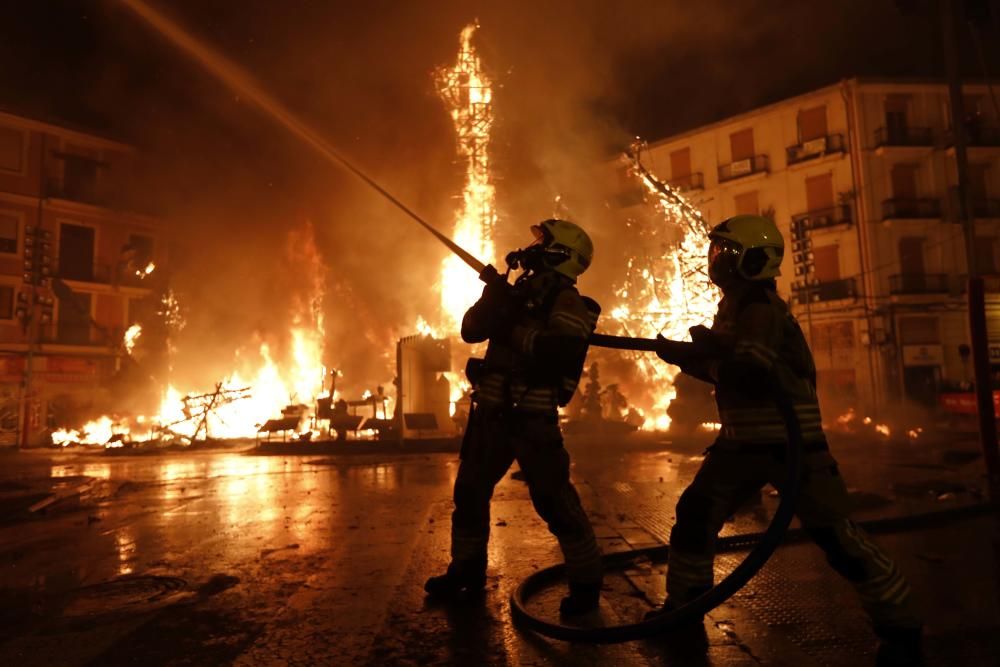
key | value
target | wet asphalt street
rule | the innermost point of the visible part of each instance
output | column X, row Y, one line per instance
column 222, row 557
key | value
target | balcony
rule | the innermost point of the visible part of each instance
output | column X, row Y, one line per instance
column 977, row 135
column 823, row 218
column 833, row 290
column 815, row 148
column 919, row 283
column 694, row 181
column 911, row 209
column 117, row 275
column 982, row 207
column 904, row 136
column 79, row 194
column 752, row 165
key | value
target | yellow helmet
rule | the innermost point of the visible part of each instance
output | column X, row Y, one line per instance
column 568, row 248
column 745, row 246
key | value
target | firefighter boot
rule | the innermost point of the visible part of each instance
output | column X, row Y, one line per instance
column 899, row 647
column 669, row 605
column 582, row 599
column 460, row 582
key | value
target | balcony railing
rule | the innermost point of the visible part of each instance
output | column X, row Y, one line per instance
column 104, row 274
column 814, row 148
column 827, row 217
column 918, row 283
column 977, row 135
column 740, row 168
column 832, row 290
column 83, row 195
column 910, row 208
column 982, row 207
column 904, row 136
column 693, row 181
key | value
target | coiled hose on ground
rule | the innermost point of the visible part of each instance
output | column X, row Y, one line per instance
column 762, row 544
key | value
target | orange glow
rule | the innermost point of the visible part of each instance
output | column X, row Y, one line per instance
column 467, row 91
column 666, row 290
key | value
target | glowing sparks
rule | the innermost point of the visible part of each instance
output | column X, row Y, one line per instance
column 666, row 289
column 131, row 336
column 146, row 270
column 467, row 91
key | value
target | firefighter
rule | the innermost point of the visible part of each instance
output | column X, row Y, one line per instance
column 753, row 344
column 537, row 330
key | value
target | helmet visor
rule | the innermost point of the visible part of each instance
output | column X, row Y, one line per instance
column 722, row 247
column 723, row 261
column 542, row 236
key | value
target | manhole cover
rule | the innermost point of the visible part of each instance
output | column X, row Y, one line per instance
column 124, row 595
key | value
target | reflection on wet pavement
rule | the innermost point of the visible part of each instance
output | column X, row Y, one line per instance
column 323, row 558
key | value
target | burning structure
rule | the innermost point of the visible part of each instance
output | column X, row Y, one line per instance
column 266, row 380
column 79, row 265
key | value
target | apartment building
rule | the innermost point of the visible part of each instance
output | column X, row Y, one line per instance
column 861, row 179
column 74, row 263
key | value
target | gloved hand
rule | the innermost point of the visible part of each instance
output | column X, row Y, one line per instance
column 710, row 343
column 498, row 302
column 674, row 351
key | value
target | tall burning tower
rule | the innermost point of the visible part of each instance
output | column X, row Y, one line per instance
column 467, row 91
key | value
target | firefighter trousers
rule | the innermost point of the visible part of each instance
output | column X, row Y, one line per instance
column 493, row 440
column 730, row 476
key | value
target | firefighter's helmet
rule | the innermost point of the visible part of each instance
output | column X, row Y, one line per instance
column 568, row 249
column 745, row 246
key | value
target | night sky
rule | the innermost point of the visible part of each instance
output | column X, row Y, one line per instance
column 575, row 80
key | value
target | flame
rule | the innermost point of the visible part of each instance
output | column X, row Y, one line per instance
column 666, row 289
column 467, row 91
column 259, row 388
column 425, row 329
column 131, row 336
column 146, row 270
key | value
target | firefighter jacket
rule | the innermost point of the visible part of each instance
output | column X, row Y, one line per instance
column 537, row 343
column 763, row 344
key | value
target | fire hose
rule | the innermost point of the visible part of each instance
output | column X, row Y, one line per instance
column 766, row 544
column 239, row 81
column 762, row 545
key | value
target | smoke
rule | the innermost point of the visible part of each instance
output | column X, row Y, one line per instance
column 576, row 79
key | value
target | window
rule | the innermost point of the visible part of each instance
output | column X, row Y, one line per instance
column 978, row 173
column 895, row 115
column 73, row 327
column 10, row 225
column 911, row 255
column 746, row 203
column 904, row 181
column 741, row 144
column 985, row 255
column 6, row 302
column 832, row 336
column 11, row 150
column 812, row 123
column 76, row 252
column 819, row 192
column 680, row 164
column 826, row 263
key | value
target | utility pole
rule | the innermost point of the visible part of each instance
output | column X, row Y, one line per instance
column 977, row 293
